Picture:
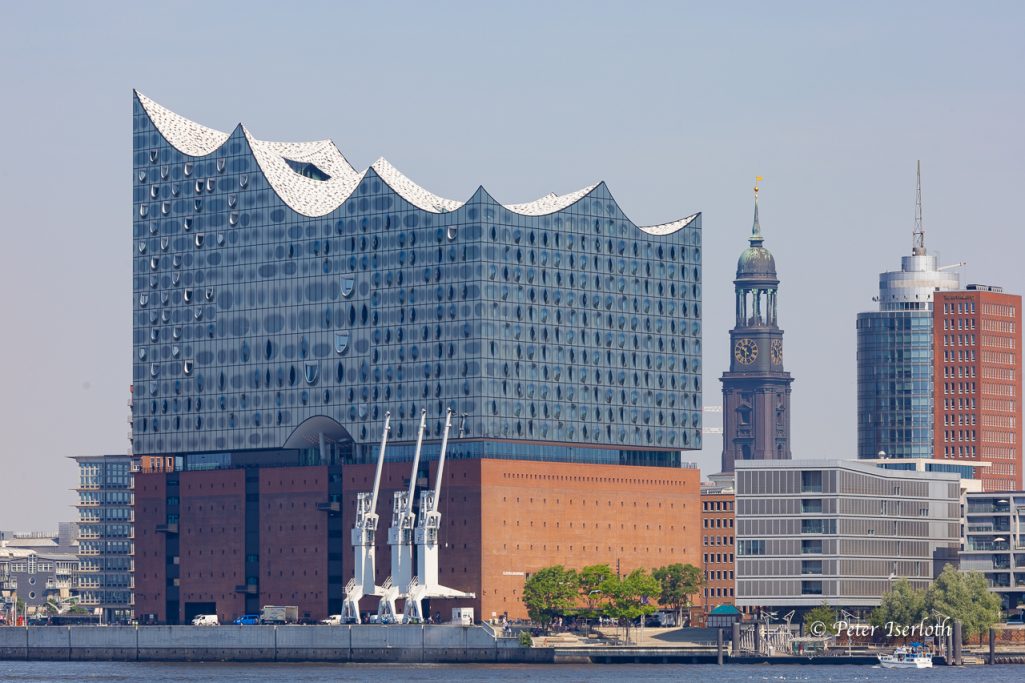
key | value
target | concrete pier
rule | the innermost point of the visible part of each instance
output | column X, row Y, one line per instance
column 365, row 643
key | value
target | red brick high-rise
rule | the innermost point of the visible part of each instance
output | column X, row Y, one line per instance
column 718, row 542
column 978, row 379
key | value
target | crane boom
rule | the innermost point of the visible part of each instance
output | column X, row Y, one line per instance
column 441, row 460
column 416, row 461
column 380, row 463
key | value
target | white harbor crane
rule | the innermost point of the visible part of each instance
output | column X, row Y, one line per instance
column 400, row 538
column 364, row 532
column 425, row 585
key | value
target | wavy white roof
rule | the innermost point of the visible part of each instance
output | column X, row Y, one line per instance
column 187, row 136
column 311, row 197
column 667, row 228
column 304, row 195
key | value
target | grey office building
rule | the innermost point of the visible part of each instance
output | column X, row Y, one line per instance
column 810, row 531
column 994, row 542
column 105, row 533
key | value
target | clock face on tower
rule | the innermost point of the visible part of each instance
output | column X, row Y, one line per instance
column 745, row 351
column 776, row 351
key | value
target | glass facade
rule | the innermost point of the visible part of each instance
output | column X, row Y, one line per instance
column 895, row 360
column 105, row 535
column 574, row 329
column 895, row 384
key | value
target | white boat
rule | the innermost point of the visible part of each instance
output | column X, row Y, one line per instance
column 905, row 658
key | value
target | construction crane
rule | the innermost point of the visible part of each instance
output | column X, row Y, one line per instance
column 364, row 532
column 425, row 585
column 400, row 538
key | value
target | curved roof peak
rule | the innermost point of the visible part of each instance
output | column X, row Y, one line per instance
column 410, row 191
column 318, row 194
column 185, row 135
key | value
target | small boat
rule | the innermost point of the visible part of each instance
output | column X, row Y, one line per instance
column 906, row 658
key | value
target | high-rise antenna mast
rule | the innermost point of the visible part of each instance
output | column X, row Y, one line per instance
column 918, row 246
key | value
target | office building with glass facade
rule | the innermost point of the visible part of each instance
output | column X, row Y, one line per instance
column 810, row 531
column 284, row 303
column 895, row 361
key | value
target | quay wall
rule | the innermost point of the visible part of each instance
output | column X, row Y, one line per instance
column 363, row 643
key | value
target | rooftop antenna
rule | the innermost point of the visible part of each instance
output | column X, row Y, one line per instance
column 919, row 235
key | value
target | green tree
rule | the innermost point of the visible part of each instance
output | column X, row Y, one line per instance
column 549, row 592
column 903, row 605
column 679, row 582
column 823, row 613
column 631, row 597
column 592, row 578
column 964, row 596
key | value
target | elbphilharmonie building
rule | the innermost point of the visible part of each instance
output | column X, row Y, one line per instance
column 284, row 303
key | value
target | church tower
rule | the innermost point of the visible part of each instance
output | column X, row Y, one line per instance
column 756, row 389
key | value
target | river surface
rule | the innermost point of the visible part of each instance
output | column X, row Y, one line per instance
column 158, row 672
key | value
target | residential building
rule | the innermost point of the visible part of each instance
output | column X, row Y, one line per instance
column 105, row 535
column 285, row 303
column 810, row 531
column 977, row 365
column 718, row 543
column 994, row 543
column 756, row 389
column 35, row 577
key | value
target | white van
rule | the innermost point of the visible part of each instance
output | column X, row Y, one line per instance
column 205, row 620
column 333, row 620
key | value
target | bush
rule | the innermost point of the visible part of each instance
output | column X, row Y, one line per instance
column 525, row 639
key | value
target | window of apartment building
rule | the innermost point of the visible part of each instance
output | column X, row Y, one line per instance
column 810, row 547
column 811, row 505
column 811, row 588
column 811, row 566
column 811, row 482
column 753, row 547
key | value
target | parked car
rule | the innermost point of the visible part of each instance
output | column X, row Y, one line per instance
column 333, row 620
column 247, row 620
column 205, row 620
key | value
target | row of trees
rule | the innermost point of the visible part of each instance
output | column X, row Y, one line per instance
column 597, row 591
column 961, row 596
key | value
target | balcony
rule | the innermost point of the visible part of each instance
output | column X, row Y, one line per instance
column 999, row 580
column 169, row 528
column 248, row 589
column 333, row 506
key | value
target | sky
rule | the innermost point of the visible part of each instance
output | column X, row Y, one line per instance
column 676, row 105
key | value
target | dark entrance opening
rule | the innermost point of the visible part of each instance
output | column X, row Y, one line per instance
column 194, row 608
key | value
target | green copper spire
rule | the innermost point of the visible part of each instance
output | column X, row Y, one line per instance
column 756, row 227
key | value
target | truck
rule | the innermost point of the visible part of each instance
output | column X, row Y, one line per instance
column 278, row 614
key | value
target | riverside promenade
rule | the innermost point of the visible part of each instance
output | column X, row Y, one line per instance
column 369, row 643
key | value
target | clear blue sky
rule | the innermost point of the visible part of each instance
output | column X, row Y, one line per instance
column 676, row 105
